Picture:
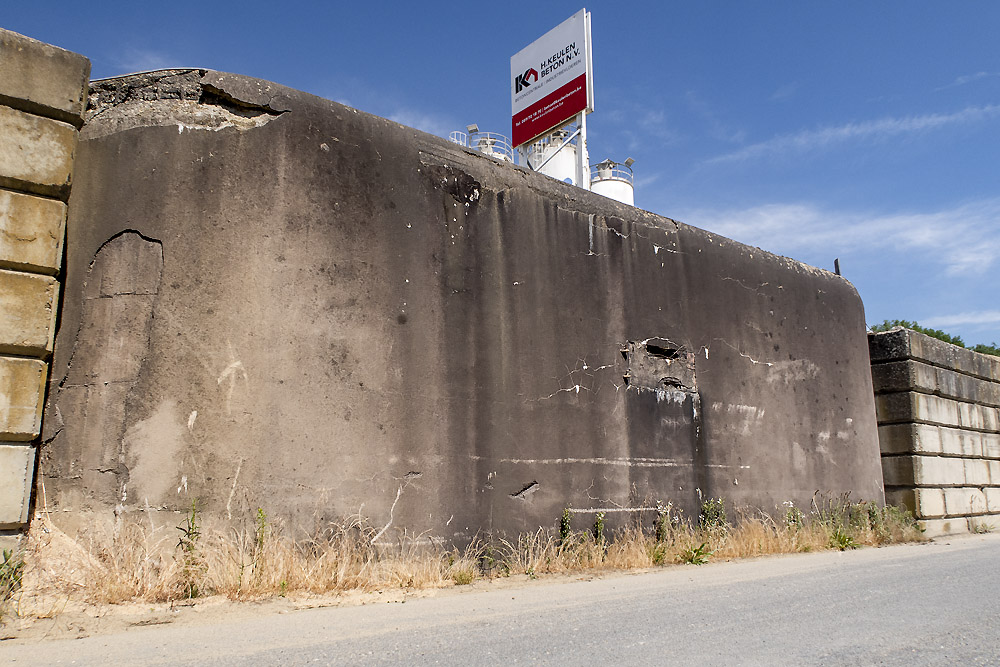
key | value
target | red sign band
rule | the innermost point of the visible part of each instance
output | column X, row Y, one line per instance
column 550, row 111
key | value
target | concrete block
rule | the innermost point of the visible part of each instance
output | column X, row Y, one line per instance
column 36, row 153
column 905, row 344
column 31, row 232
column 986, row 523
column 903, row 439
column 17, row 468
column 991, row 445
column 905, row 498
column 964, row 501
column 912, row 375
column 897, row 470
column 928, row 439
column 895, row 408
column 994, row 472
column 51, row 80
column 977, row 472
column 27, row 312
column 991, row 419
column 947, row 412
column 960, row 443
column 889, row 346
column 939, row 527
column 992, row 494
column 937, row 471
column 929, row 503
column 22, row 392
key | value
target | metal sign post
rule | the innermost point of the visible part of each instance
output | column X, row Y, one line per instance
column 582, row 158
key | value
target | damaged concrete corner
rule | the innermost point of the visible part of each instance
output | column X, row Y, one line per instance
column 189, row 99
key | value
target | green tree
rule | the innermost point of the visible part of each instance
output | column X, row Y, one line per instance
column 983, row 348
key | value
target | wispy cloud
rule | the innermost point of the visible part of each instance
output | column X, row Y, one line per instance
column 427, row 122
column 973, row 317
column 639, row 125
column 784, row 92
column 142, row 60
column 717, row 128
column 825, row 137
column 968, row 78
column 646, row 180
column 964, row 239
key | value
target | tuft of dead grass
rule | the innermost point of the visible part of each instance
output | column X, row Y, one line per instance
column 133, row 560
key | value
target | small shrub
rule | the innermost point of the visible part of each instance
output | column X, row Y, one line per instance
column 695, row 555
column 794, row 517
column 193, row 565
column 599, row 528
column 657, row 553
column 667, row 524
column 713, row 514
column 565, row 529
column 11, row 573
column 841, row 539
column 463, row 576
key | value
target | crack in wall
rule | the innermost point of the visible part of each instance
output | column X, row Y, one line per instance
column 111, row 343
column 576, row 380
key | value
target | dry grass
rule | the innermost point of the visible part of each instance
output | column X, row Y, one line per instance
column 135, row 561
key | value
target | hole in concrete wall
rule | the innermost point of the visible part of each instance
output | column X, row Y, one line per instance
column 526, row 492
column 658, row 364
column 661, row 351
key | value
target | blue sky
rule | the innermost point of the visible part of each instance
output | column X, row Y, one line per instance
column 868, row 131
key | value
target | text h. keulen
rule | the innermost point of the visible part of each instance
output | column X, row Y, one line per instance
column 546, row 67
column 558, row 59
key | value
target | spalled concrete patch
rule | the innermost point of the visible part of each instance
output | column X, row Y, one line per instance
column 180, row 98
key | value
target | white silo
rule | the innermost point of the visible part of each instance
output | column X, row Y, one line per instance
column 554, row 156
column 614, row 180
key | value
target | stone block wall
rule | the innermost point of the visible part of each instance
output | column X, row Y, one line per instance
column 938, row 408
column 43, row 93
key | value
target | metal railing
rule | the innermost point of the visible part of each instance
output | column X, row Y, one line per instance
column 489, row 143
column 610, row 171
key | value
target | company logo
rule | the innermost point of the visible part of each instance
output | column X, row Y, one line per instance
column 521, row 81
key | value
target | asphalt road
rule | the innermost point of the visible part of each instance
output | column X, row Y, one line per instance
column 931, row 604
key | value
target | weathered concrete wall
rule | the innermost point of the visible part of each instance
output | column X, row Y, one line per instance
column 274, row 300
column 42, row 97
column 939, row 429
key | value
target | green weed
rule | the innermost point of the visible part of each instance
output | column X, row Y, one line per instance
column 695, row 555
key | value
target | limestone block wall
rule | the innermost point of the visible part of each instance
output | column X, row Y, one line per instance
column 938, row 408
column 42, row 99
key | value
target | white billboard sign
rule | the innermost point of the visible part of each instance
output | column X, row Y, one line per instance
column 552, row 79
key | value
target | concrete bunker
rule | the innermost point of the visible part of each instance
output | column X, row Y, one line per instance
column 343, row 315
